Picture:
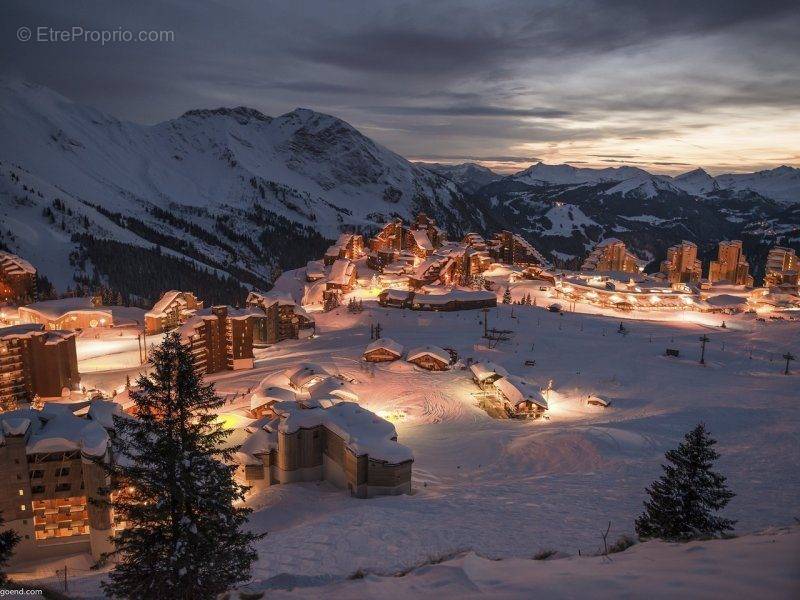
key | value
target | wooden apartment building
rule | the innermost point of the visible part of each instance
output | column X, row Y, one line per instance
column 221, row 338
column 172, row 310
column 35, row 362
column 17, row 279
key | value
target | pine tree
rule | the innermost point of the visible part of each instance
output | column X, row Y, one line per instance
column 8, row 539
column 507, row 296
column 684, row 499
column 182, row 538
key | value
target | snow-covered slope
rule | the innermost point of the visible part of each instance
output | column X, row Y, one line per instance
column 696, row 182
column 754, row 565
column 782, row 183
column 226, row 173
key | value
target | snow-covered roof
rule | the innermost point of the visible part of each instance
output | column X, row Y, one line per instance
column 454, row 296
column 484, row 370
column 422, row 240
column 363, row 431
column 387, row 344
column 726, row 300
column 434, row 351
column 56, row 429
column 305, row 374
column 104, row 411
column 518, row 391
column 55, row 309
column 163, row 303
column 14, row 265
column 341, row 272
column 264, row 396
column 332, row 387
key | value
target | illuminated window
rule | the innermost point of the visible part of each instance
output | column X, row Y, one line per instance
column 22, row 507
column 21, row 493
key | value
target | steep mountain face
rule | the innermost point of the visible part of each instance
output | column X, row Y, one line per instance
column 232, row 191
column 565, row 211
column 469, row 176
column 696, row 182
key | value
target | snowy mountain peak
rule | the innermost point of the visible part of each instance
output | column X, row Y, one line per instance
column 696, row 182
column 567, row 174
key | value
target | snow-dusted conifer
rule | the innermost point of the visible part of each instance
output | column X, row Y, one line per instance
column 507, row 296
column 8, row 539
column 684, row 500
column 183, row 535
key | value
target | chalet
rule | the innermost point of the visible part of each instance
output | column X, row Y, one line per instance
column 593, row 400
column 486, row 373
column 68, row 313
column 54, row 483
column 262, row 400
column 454, row 300
column 383, row 350
column 339, row 442
column 172, row 310
column 349, row 246
column 17, row 279
column 395, row 298
column 520, row 398
column 343, row 275
column 315, row 270
column 431, row 358
column 305, row 375
column 420, row 244
column 448, row 301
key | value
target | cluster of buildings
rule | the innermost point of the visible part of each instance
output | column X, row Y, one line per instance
column 17, row 279
column 420, row 254
column 519, row 398
column 309, row 427
column 430, row 358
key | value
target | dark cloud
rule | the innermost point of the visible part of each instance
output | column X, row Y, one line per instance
column 446, row 78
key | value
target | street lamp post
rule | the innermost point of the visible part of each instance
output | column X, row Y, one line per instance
column 789, row 357
column 703, row 341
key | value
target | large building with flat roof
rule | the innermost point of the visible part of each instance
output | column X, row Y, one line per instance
column 68, row 313
column 53, row 486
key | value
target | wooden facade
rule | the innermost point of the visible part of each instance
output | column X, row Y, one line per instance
column 34, row 362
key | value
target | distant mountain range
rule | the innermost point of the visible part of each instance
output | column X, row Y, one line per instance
column 781, row 184
column 222, row 200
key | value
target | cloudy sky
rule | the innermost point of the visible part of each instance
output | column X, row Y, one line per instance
column 667, row 85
